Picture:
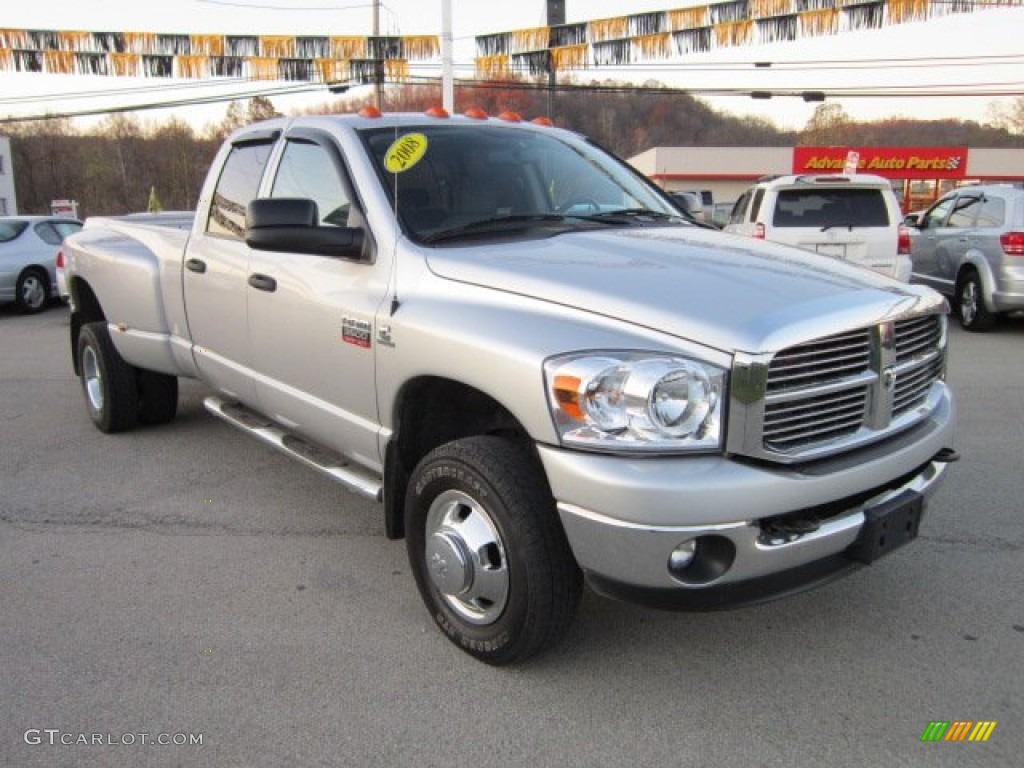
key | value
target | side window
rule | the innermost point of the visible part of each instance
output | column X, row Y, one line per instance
column 992, row 213
column 739, row 208
column 307, row 171
column 65, row 228
column 755, row 203
column 238, row 184
column 964, row 212
column 47, row 233
column 936, row 216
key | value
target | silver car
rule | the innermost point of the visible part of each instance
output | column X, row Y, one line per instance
column 28, row 247
column 970, row 246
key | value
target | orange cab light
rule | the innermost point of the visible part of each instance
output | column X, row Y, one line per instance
column 476, row 113
column 437, row 111
column 547, row 122
column 510, row 117
column 369, row 112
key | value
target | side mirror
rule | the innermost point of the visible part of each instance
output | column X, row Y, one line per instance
column 913, row 220
column 291, row 225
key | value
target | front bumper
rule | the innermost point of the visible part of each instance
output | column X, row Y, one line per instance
column 624, row 517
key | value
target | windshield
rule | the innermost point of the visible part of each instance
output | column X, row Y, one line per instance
column 468, row 180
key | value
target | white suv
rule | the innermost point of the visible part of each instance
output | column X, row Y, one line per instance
column 851, row 218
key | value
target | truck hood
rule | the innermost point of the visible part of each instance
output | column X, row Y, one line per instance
column 729, row 292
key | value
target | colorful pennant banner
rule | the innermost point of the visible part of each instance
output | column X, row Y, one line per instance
column 665, row 34
column 265, row 57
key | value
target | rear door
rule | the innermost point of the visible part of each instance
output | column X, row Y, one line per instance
column 849, row 223
column 216, row 271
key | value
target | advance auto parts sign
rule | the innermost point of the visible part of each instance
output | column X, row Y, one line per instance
column 890, row 162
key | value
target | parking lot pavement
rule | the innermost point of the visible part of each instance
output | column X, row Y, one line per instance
column 184, row 582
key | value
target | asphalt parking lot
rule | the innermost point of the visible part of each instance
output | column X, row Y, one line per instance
column 186, row 582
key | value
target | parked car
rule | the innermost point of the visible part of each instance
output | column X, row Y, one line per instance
column 689, row 209
column 854, row 218
column 28, row 246
column 970, row 246
column 720, row 213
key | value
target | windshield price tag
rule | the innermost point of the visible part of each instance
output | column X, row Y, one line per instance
column 405, row 152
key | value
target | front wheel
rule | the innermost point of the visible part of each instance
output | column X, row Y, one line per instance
column 974, row 315
column 488, row 552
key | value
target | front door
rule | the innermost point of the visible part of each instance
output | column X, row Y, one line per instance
column 311, row 317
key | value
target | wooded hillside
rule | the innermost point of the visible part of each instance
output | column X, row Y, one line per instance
column 112, row 168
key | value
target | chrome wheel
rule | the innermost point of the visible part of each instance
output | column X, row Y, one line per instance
column 969, row 302
column 974, row 315
column 32, row 291
column 487, row 549
column 92, row 378
column 465, row 557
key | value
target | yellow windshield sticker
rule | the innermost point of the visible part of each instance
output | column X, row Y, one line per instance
column 405, row 152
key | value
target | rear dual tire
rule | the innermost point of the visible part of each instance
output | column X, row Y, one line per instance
column 119, row 396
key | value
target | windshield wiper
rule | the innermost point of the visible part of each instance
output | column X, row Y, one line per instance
column 631, row 214
column 495, row 224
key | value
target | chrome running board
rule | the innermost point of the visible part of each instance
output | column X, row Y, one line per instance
column 327, row 462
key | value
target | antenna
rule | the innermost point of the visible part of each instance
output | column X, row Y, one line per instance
column 395, row 235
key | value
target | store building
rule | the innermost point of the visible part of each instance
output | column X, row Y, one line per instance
column 918, row 174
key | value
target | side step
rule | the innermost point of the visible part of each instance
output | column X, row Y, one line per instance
column 326, row 461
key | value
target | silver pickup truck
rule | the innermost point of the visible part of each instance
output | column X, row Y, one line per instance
column 516, row 344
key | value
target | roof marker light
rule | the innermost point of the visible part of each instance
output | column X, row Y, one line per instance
column 476, row 113
column 547, row 122
column 437, row 111
column 369, row 112
column 510, row 117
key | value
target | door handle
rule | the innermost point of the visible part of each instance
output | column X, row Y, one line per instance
column 263, row 282
column 196, row 265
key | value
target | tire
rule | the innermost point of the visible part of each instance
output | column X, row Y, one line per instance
column 158, row 397
column 109, row 383
column 32, row 291
column 488, row 551
column 970, row 304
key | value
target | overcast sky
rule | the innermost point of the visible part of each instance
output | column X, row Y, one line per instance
column 988, row 33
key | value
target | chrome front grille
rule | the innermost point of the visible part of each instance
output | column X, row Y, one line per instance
column 820, row 361
column 828, row 394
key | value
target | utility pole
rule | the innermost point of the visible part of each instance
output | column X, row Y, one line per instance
column 378, row 64
column 447, row 59
column 556, row 16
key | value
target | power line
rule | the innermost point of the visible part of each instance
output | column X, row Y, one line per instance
column 719, row 67
column 266, row 92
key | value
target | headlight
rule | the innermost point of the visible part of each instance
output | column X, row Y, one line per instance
column 625, row 401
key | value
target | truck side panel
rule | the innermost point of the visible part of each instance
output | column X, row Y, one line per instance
column 135, row 270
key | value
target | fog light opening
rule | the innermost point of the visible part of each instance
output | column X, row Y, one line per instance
column 702, row 560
